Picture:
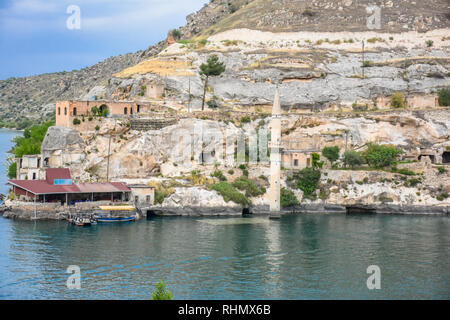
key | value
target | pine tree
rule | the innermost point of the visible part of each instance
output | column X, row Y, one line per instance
column 212, row 68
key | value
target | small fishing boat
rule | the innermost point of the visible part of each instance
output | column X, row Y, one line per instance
column 116, row 214
column 82, row 220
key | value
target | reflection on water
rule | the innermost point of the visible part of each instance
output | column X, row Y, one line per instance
column 297, row 257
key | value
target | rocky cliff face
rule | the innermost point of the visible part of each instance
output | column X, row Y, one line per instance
column 323, row 62
column 172, row 153
column 335, row 16
column 312, row 70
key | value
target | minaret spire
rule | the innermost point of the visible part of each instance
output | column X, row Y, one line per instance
column 275, row 155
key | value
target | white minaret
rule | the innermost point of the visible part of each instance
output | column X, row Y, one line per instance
column 275, row 155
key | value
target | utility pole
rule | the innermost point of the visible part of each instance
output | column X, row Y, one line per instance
column 189, row 106
column 363, row 59
column 109, row 153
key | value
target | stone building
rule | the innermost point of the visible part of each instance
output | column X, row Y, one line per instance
column 67, row 111
column 155, row 89
column 31, row 167
column 296, row 151
column 142, row 194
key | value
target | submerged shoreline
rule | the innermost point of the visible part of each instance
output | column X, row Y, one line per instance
column 414, row 210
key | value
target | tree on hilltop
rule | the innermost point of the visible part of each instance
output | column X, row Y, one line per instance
column 213, row 67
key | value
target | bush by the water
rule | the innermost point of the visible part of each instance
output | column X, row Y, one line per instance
column 288, row 198
column 230, row 193
column 30, row 143
column 162, row 191
column 352, row 158
column 331, row 153
column 307, row 180
column 381, row 156
column 444, row 97
column 160, row 292
column 251, row 188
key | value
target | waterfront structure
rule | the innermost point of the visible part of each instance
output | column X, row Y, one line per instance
column 59, row 187
column 275, row 155
column 142, row 194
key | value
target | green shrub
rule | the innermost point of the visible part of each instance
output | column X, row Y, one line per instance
column 316, row 163
column 76, row 121
column 245, row 172
column 242, row 167
column 176, row 33
column 160, row 292
column 231, row 172
column 97, row 127
column 307, row 180
column 405, row 172
column 213, row 103
column 31, row 141
column 288, row 198
column 230, row 193
column 444, row 97
column 412, row 182
column 331, row 153
column 398, row 100
column 219, row 175
column 442, row 196
column 12, row 170
column 353, row 158
column 429, row 43
column 442, row 170
column 380, row 156
column 251, row 188
column 367, row 64
column 245, row 119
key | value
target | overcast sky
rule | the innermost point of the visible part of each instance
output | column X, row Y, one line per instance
column 35, row 38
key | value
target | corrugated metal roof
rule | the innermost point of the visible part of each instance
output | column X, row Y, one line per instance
column 43, row 187
column 57, row 173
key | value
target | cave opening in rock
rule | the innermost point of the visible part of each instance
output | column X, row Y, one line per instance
column 446, row 157
column 245, row 211
column 150, row 213
column 427, row 155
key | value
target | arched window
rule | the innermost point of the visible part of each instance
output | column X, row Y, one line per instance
column 65, row 111
column 125, row 110
column 59, row 111
column 74, row 111
column 131, row 110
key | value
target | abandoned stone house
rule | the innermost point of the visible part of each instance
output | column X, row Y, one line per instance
column 67, row 111
column 438, row 155
column 31, row 167
column 296, row 151
column 143, row 195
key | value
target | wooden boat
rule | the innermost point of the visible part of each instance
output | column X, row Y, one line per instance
column 83, row 220
column 116, row 214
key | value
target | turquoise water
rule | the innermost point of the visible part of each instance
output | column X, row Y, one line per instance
column 297, row 257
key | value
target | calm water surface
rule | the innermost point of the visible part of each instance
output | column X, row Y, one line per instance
column 297, row 257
